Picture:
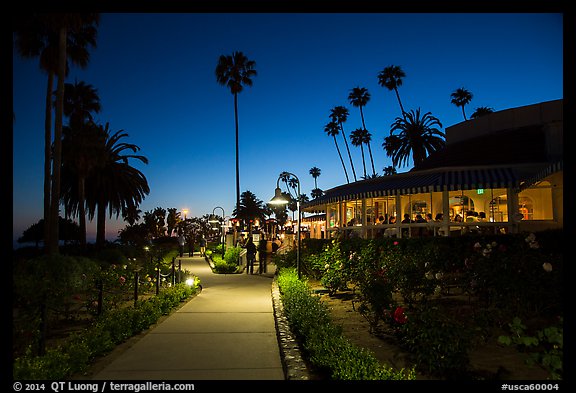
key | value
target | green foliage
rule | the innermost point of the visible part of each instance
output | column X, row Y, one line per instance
column 437, row 342
column 326, row 347
column 227, row 265
column 111, row 329
column 545, row 348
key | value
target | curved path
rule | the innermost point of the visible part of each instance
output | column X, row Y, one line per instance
column 226, row 332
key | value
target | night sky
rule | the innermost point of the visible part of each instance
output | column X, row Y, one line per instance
column 154, row 73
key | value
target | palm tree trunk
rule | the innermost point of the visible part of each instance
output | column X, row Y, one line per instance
column 371, row 159
column 57, row 160
column 82, row 211
column 400, row 102
column 47, row 155
column 463, row 113
column 363, row 160
column 341, row 160
column 348, row 149
column 237, row 154
column 101, row 225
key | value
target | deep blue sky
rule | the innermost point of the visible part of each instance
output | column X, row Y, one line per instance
column 155, row 77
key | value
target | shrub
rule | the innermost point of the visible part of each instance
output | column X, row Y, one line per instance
column 326, row 347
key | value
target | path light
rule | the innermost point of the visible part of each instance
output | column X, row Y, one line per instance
column 280, row 199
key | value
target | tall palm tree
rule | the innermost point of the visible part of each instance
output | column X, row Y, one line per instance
column 116, row 185
column 315, row 173
column 339, row 115
column 391, row 78
column 418, row 136
column 461, row 97
column 332, row 130
column 131, row 214
column 235, row 71
column 80, row 146
column 357, row 139
column 366, row 139
column 359, row 97
column 481, row 111
column 54, row 39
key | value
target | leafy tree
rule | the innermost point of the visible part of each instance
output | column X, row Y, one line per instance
column 461, row 97
column 391, row 78
column 418, row 136
column 68, row 231
column 317, row 193
column 389, row 171
column 235, row 71
column 332, row 130
column 172, row 219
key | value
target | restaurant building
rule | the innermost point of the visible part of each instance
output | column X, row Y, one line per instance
column 499, row 173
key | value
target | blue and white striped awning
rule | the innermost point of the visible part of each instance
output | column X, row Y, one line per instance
column 433, row 180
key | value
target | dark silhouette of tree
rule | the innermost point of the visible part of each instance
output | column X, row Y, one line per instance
column 357, row 139
column 235, row 71
column 339, row 115
column 389, row 171
column 391, row 78
column 115, row 186
column 251, row 209
column 332, row 130
column 315, row 173
column 69, row 231
column 55, row 38
column 359, row 97
column 481, row 111
column 80, row 147
column 417, row 136
column 461, row 97
column 317, row 193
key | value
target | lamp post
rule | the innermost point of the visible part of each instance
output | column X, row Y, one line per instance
column 218, row 221
column 279, row 199
column 185, row 211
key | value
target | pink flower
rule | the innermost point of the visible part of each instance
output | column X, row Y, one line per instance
column 396, row 243
column 122, row 280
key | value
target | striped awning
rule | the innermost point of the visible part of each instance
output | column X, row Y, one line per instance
column 434, row 180
column 541, row 174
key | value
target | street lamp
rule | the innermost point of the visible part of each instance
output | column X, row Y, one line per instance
column 279, row 199
column 185, row 211
column 218, row 221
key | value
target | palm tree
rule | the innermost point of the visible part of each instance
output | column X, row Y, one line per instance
column 339, row 115
column 54, row 39
column 391, row 78
column 235, row 71
column 461, row 97
column 131, row 214
column 250, row 209
column 481, row 111
column 317, row 193
column 359, row 97
column 367, row 138
column 315, row 173
column 357, row 139
column 116, row 185
column 332, row 130
column 389, row 171
column 80, row 153
column 418, row 136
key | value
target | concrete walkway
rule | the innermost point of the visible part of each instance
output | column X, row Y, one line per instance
column 227, row 332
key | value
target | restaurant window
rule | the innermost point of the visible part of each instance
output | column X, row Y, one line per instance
column 371, row 216
column 385, row 207
column 332, row 215
column 459, row 205
column 354, row 213
column 535, row 203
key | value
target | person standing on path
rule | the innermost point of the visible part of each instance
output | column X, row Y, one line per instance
column 203, row 246
column 250, row 255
